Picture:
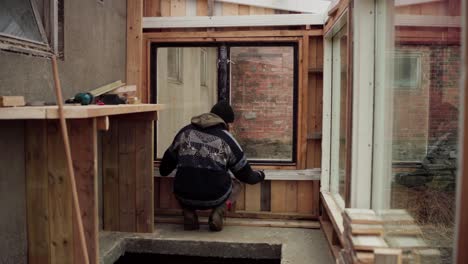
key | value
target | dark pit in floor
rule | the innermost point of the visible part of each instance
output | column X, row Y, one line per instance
column 145, row 258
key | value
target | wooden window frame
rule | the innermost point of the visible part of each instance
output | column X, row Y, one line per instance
column 227, row 93
column 296, row 36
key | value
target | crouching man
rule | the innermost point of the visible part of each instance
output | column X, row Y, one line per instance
column 203, row 152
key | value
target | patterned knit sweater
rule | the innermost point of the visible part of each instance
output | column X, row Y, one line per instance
column 202, row 153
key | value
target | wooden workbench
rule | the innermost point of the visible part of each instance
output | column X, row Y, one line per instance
column 127, row 170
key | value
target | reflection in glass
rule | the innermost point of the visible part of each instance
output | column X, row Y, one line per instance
column 262, row 90
column 179, row 87
column 425, row 105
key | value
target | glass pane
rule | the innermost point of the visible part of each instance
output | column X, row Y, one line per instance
column 17, row 20
column 179, row 87
column 339, row 111
column 422, row 89
column 262, row 96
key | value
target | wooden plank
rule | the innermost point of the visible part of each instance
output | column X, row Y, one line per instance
column 178, row 8
column 9, row 101
column 244, row 10
column 157, row 183
column 60, row 198
column 134, row 42
column 252, row 197
column 230, row 9
column 303, row 104
column 165, row 8
column 278, row 196
column 231, row 21
column 305, row 197
column 245, row 214
column 157, row 36
column 265, row 196
column 202, row 7
column 248, row 222
column 83, row 142
column 152, row 8
column 127, row 179
column 240, row 203
column 165, row 191
column 291, row 196
column 317, row 7
column 144, row 176
column 110, row 173
column 37, row 192
column 174, row 203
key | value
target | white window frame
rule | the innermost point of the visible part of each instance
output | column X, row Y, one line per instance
column 329, row 116
column 363, row 37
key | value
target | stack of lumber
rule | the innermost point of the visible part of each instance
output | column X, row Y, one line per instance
column 402, row 232
column 11, row 101
column 388, row 236
column 363, row 233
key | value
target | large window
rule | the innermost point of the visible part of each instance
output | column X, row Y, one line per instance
column 260, row 81
column 32, row 26
column 417, row 80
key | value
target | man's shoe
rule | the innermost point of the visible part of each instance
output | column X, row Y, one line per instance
column 216, row 218
column 190, row 220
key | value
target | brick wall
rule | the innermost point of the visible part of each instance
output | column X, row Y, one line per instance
column 262, row 80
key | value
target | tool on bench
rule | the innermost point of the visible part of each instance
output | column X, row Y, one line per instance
column 87, row 98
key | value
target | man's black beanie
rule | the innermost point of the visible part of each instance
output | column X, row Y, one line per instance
column 223, row 110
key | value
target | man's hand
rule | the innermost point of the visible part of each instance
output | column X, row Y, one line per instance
column 262, row 174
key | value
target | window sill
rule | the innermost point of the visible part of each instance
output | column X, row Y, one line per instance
column 278, row 175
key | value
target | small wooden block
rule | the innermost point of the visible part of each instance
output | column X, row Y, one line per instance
column 9, row 101
column 396, row 216
column 367, row 243
column 361, row 218
column 360, row 229
column 411, row 230
column 427, row 256
column 364, row 258
column 388, row 256
column 406, row 242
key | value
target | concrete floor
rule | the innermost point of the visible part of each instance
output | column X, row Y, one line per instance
column 294, row 245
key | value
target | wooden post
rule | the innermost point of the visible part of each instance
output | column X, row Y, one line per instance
column 135, row 45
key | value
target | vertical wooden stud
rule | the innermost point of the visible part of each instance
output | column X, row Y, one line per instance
column 278, row 196
column 252, row 197
column 265, row 196
column 110, row 174
column 37, row 190
column 134, row 44
column 83, row 142
column 60, row 198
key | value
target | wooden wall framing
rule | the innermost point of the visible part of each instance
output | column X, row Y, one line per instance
column 277, row 199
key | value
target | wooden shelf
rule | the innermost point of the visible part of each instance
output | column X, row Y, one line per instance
column 75, row 111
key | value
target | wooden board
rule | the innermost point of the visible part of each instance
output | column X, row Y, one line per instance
column 37, row 189
column 178, row 8
column 388, row 256
column 144, row 176
column 157, row 183
column 291, row 196
column 110, row 173
column 202, row 7
column 240, row 203
column 252, row 197
column 60, row 198
column 247, row 222
column 127, row 180
column 165, row 191
column 367, row 243
column 152, row 8
column 278, row 196
column 10, row 101
column 74, row 111
column 134, row 43
column 83, row 142
column 305, row 197
column 165, row 8
column 265, row 196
